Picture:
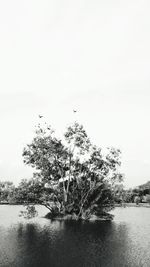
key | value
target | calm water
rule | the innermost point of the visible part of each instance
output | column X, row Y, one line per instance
column 42, row 243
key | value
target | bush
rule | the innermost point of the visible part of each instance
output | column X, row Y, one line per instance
column 137, row 200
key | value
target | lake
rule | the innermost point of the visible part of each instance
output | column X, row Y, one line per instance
column 39, row 242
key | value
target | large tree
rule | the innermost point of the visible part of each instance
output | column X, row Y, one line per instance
column 74, row 176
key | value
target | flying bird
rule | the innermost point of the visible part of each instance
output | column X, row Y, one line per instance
column 74, row 111
column 40, row 116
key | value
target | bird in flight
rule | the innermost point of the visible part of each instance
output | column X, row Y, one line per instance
column 74, row 110
column 40, row 116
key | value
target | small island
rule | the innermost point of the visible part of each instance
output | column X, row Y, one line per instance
column 73, row 178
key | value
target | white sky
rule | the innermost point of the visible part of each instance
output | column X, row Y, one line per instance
column 89, row 55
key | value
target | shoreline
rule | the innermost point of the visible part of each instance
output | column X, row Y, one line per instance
column 142, row 205
column 122, row 205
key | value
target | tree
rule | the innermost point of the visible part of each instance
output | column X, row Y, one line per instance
column 137, row 200
column 74, row 176
column 29, row 191
column 119, row 193
column 6, row 191
column 148, row 198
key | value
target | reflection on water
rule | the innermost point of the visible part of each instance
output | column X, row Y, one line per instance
column 42, row 243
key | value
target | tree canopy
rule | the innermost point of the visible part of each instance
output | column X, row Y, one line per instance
column 72, row 176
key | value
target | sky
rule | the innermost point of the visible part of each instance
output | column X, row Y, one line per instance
column 89, row 55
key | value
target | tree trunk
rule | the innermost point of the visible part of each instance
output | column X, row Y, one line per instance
column 68, row 178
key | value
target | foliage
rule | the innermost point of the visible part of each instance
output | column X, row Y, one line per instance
column 138, row 194
column 137, row 200
column 29, row 191
column 148, row 199
column 73, row 176
column 6, row 191
column 29, row 213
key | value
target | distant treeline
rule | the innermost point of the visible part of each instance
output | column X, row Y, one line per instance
column 32, row 191
column 26, row 192
column 133, row 195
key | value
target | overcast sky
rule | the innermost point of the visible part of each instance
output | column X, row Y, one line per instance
column 89, row 55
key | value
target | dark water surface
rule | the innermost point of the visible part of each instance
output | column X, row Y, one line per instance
column 42, row 243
